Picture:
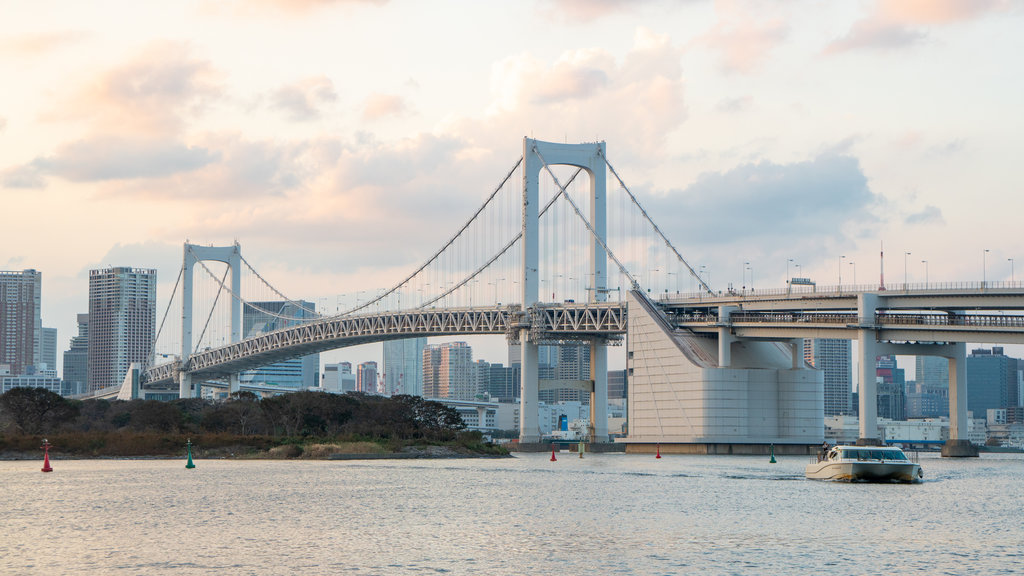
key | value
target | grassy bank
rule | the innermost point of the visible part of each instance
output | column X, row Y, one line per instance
column 127, row 444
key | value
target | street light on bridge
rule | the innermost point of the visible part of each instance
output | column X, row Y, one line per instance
column 905, row 254
column 854, row 264
column 984, row 274
column 925, row 262
column 1010, row 260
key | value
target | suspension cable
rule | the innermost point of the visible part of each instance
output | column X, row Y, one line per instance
column 586, row 222
column 213, row 307
column 503, row 250
column 656, row 229
column 170, row 301
column 275, row 290
column 243, row 300
column 443, row 248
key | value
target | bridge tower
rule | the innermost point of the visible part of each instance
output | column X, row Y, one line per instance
column 591, row 158
column 232, row 256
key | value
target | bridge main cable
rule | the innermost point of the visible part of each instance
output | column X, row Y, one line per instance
column 451, row 240
column 656, row 229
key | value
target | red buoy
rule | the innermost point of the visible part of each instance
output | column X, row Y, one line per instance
column 46, row 456
column 658, row 455
column 553, row 459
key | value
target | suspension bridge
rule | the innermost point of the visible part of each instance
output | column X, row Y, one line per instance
column 704, row 368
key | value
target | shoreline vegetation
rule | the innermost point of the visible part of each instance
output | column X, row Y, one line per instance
column 300, row 425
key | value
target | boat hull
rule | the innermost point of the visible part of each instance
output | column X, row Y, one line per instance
column 865, row 471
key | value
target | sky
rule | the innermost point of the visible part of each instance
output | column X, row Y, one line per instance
column 341, row 142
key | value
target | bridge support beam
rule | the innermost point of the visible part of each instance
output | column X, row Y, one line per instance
column 867, row 342
column 958, row 445
column 599, row 397
column 185, row 385
column 234, row 384
column 725, row 336
column 193, row 254
column 591, row 158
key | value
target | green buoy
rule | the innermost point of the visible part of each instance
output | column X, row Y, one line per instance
column 772, row 461
column 188, row 445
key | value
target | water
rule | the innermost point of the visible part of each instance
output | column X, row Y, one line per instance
column 604, row 514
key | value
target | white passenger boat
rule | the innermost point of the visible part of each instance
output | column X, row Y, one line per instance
column 864, row 463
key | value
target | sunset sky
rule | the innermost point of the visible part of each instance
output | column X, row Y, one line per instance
column 342, row 142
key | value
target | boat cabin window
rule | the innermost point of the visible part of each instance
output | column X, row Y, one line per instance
column 868, row 454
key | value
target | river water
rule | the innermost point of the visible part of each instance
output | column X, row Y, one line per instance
column 602, row 514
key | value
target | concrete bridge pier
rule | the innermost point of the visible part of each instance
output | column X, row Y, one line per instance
column 867, row 342
column 184, row 385
column 234, row 384
column 958, row 445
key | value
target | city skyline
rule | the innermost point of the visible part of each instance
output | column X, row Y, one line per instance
column 821, row 130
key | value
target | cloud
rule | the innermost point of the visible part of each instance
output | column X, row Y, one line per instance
column 893, row 24
column 587, row 10
column 163, row 256
column 929, row 215
column 938, row 11
column 118, row 159
column 34, row 44
column 379, row 106
column 876, row 34
column 28, row 177
column 771, row 204
column 302, row 100
column 153, row 93
column 743, row 38
column 572, row 96
column 3, row 123
column 734, row 105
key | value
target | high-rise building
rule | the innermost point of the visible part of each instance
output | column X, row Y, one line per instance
column 122, row 322
column 76, row 358
column 992, row 380
column 892, row 399
column 928, row 397
column 832, row 357
column 568, row 361
column 262, row 317
column 618, row 386
column 21, row 323
column 403, row 366
column 482, row 376
column 503, row 383
column 48, row 349
column 366, row 376
column 338, row 378
column 457, row 369
column 448, row 371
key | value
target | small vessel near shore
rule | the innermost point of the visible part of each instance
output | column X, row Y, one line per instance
column 864, row 464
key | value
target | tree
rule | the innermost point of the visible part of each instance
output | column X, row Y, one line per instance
column 36, row 410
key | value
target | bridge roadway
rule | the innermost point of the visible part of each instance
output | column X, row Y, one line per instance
column 550, row 321
column 936, row 313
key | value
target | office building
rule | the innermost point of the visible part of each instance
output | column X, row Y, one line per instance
column 832, row 357
column 503, row 383
column 21, row 323
column 122, row 323
column 403, row 366
column 48, row 350
column 993, row 380
column 568, row 362
column 76, row 358
column 338, row 378
column 262, row 317
column 618, row 387
column 448, row 371
column 366, row 377
column 892, row 399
